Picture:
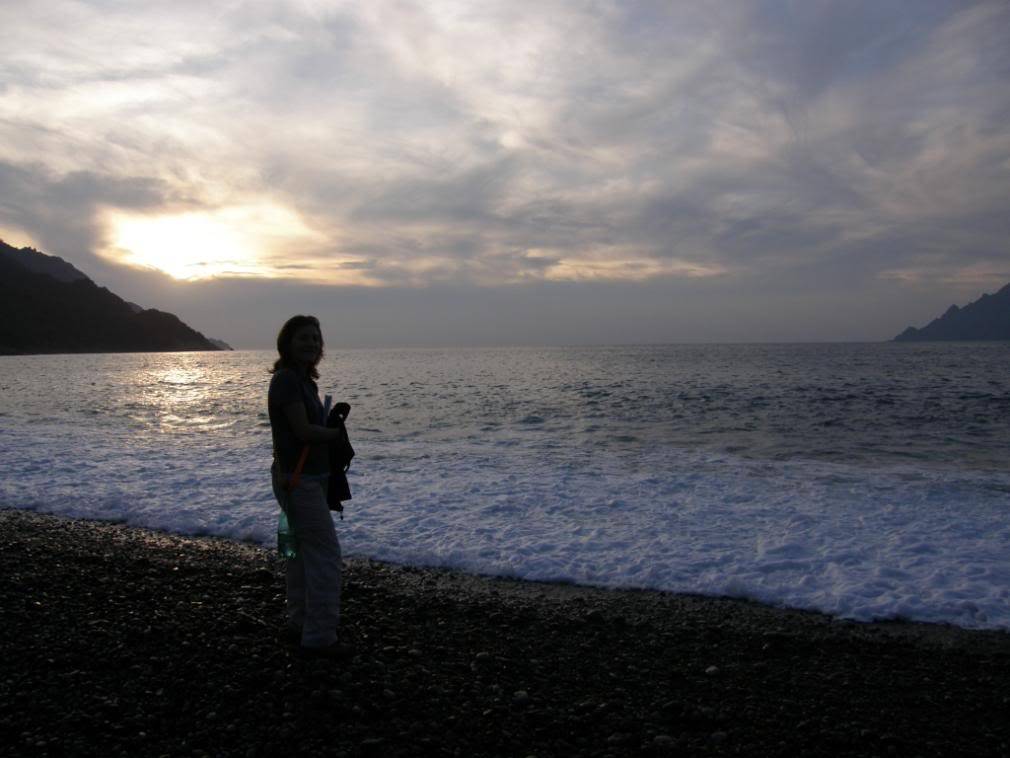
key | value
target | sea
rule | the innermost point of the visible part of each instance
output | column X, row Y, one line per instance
column 867, row 481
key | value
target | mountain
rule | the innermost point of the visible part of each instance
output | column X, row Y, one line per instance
column 988, row 318
column 48, row 306
column 40, row 263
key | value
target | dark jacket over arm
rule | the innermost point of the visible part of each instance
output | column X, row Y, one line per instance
column 341, row 454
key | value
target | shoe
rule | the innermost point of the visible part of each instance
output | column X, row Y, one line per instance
column 335, row 651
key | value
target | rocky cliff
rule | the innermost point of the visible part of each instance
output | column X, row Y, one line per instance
column 49, row 306
column 988, row 318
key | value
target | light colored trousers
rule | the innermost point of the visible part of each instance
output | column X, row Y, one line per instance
column 313, row 578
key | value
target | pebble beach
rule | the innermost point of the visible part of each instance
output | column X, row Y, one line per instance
column 124, row 641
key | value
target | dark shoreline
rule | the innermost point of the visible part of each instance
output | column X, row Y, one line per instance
column 124, row 641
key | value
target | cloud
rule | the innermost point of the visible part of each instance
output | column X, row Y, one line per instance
column 61, row 213
column 452, row 144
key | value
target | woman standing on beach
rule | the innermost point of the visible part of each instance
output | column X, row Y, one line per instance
column 299, row 432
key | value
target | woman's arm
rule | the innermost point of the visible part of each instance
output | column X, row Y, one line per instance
column 310, row 434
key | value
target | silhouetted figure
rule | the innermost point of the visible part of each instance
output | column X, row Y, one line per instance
column 301, row 472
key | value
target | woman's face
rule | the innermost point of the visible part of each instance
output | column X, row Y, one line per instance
column 306, row 343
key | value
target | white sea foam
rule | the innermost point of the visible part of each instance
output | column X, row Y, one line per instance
column 471, row 463
column 862, row 544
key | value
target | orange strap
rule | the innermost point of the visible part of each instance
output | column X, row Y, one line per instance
column 297, row 475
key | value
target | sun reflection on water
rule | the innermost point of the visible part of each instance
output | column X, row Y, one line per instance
column 181, row 393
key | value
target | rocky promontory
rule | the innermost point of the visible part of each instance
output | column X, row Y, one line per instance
column 49, row 306
column 988, row 318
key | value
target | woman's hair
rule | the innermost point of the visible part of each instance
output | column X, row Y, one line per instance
column 284, row 338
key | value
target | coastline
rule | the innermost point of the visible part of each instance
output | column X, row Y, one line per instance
column 123, row 639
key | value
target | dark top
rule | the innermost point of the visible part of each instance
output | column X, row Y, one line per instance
column 287, row 387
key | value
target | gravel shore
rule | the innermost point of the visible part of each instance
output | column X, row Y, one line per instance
column 119, row 641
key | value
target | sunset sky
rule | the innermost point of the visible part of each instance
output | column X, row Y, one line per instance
column 514, row 172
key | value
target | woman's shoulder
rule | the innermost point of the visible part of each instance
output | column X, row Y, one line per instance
column 284, row 371
column 289, row 378
column 284, row 380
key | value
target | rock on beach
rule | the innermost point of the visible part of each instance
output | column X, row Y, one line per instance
column 122, row 641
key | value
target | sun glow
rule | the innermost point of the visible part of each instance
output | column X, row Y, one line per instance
column 201, row 245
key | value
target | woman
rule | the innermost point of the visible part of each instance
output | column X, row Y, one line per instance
column 297, row 423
